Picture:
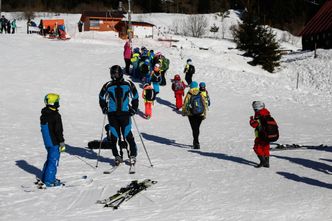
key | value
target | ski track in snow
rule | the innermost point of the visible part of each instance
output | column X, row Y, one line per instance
column 217, row 182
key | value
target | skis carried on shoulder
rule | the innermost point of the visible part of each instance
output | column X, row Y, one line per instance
column 126, row 193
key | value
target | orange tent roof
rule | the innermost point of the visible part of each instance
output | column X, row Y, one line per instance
column 52, row 22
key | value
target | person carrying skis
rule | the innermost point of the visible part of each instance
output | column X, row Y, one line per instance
column 204, row 92
column 155, row 78
column 189, row 70
column 52, row 133
column 115, row 98
column 149, row 95
column 261, row 147
column 194, row 107
column 178, row 87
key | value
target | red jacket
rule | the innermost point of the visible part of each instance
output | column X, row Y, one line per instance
column 255, row 121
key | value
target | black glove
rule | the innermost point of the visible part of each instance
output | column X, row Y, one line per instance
column 132, row 111
column 104, row 110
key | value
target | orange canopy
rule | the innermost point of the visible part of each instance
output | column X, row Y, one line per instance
column 52, row 22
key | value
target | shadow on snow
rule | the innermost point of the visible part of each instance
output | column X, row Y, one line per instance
column 29, row 168
column 163, row 140
column 224, row 157
column 306, row 180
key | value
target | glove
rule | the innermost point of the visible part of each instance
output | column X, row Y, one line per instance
column 104, row 110
column 62, row 147
column 132, row 111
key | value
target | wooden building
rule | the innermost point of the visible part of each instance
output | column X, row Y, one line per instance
column 318, row 31
column 101, row 21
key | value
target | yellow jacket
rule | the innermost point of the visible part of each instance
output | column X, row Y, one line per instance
column 186, row 103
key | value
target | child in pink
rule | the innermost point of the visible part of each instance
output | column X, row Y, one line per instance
column 178, row 87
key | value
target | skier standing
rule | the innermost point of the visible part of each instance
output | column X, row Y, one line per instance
column 52, row 132
column 114, row 99
column 195, row 108
column 261, row 147
column 178, row 87
column 189, row 70
column 155, row 78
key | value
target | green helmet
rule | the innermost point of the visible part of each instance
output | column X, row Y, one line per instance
column 52, row 100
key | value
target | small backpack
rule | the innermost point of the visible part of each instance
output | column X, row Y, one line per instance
column 269, row 129
column 150, row 94
column 178, row 85
column 196, row 104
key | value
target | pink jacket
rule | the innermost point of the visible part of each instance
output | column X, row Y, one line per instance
column 127, row 51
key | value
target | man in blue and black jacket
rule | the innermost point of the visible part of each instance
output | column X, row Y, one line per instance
column 118, row 99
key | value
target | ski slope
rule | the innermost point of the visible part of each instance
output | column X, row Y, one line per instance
column 217, row 182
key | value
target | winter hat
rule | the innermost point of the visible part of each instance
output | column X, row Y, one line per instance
column 177, row 77
column 258, row 105
column 189, row 61
column 193, row 84
column 156, row 67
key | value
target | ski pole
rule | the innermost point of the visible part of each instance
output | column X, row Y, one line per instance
column 101, row 139
column 142, row 141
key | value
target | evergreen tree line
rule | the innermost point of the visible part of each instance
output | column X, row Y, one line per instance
column 288, row 15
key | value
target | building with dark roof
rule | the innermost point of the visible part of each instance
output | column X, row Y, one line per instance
column 318, row 31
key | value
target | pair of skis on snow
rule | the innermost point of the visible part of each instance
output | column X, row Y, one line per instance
column 279, row 147
column 126, row 193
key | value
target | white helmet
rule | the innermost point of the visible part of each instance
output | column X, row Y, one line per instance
column 258, row 105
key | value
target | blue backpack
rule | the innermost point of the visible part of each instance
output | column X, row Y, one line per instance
column 196, row 104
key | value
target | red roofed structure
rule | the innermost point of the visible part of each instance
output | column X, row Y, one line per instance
column 318, row 31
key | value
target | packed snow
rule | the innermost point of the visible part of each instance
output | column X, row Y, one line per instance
column 217, row 182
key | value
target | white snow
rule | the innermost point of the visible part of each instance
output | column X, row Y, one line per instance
column 217, row 182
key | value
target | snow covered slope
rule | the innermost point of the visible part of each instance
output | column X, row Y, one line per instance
column 217, row 182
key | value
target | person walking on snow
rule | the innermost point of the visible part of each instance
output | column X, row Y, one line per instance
column 178, row 87
column 189, row 70
column 149, row 95
column 261, row 147
column 127, row 56
column 52, row 133
column 155, row 78
column 204, row 92
column 118, row 99
column 194, row 107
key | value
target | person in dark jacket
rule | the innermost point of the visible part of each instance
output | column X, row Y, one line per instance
column 118, row 99
column 189, row 70
column 52, row 132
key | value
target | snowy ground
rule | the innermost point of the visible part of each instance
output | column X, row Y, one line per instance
column 217, row 182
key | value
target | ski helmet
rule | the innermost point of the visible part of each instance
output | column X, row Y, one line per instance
column 258, row 105
column 52, row 100
column 147, row 61
column 136, row 50
column 177, row 77
column 116, row 73
column 156, row 67
column 202, row 85
column 193, row 84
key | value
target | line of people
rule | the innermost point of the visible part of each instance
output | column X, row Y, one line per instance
column 7, row 26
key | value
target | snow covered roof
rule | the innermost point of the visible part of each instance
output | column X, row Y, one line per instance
column 103, row 14
column 321, row 22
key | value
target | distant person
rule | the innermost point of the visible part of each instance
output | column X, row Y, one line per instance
column 195, row 108
column 52, row 132
column 9, row 27
column 261, row 146
column 80, row 25
column 178, row 87
column 189, row 71
column 148, row 95
column 3, row 23
column 127, row 56
column 155, row 78
column 204, row 92
column 14, row 26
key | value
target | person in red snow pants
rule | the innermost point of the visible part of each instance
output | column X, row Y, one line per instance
column 178, row 87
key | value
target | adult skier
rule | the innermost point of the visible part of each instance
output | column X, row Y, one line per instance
column 118, row 99
column 189, row 70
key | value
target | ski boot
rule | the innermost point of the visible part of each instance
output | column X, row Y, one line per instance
column 118, row 160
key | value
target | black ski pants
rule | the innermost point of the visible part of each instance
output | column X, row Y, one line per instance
column 121, row 126
column 195, row 123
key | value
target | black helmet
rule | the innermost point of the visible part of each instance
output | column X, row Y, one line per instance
column 116, row 73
